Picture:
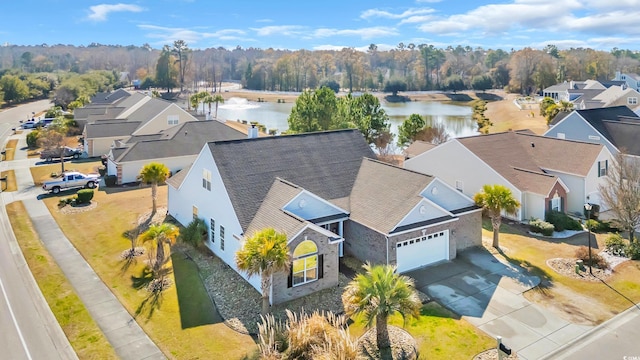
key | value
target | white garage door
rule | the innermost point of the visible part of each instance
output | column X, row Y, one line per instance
column 422, row 251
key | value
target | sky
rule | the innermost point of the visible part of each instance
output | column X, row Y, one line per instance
column 325, row 24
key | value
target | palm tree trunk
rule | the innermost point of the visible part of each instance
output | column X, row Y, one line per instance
column 382, row 336
column 154, row 197
column 216, row 110
column 495, row 222
column 159, row 255
column 265, row 285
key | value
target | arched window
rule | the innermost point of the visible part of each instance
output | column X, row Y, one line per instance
column 305, row 263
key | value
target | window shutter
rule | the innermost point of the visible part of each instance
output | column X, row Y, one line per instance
column 320, row 266
column 290, row 278
column 550, row 207
column 606, row 167
column 561, row 204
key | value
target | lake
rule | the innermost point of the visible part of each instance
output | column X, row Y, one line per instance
column 456, row 118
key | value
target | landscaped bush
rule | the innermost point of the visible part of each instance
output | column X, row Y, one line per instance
column 542, row 227
column 582, row 253
column 615, row 245
column 195, row 233
column 32, row 139
column 110, row 180
column 84, row 196
column 562, row 221
column 633, row 250
column 593, row 225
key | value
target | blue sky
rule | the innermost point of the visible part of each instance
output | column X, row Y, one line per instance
column 325, row 24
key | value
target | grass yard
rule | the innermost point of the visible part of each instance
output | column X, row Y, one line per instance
column 594, row 302
column 180, row 321
column 43, row 173
column 84, row 335
column 10, row 184
column 10, row 150
column 440, row 334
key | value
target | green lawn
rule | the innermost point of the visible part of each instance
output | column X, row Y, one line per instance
column 98, row 235
column 440, row 334
column 84, row 335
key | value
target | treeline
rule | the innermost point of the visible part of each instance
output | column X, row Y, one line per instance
column 415, row 67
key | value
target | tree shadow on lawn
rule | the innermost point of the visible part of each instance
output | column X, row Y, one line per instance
column 153, row 300
column 196, row 307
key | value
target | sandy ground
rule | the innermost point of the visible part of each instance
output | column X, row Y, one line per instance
column 504, row 114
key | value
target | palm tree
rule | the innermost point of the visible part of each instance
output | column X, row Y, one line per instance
column 216, row 99
column 154, row 173
column 377, row 294
column 494, row 199
column 161, row 235
column 265, row 253
column 207, row 99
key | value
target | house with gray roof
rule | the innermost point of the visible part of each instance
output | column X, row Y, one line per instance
column 136, row 115
column 330, row 196
column 175, row 147
column 616, row 127
column 543, row 173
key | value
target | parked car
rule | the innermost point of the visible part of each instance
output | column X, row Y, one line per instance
column 50, row 154
column 71, row 180
column 29, row 124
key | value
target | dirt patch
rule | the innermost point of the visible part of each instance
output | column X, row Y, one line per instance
column 145, row 220
column 505, row 116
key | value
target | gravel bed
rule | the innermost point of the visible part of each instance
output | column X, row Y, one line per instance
column 492, row 354
column 403, row 345
column 567, row 267
column 74, row 209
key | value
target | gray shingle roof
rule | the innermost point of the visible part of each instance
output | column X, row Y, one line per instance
column 384, row 194
column 270, row 213
column 182, row 140
column 623, row 136
column 149, row 110
column 104, row 129
column 324, row 163
column 109, row 97
column 178, row 177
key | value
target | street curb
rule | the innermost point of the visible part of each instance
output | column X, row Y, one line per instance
column 593, row 332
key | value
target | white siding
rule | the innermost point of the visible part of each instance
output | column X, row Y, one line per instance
column 423, row 212
column 111, row 167
column 102, row 146
column 593, row 182
column 576, row 128
column 131, row 169
column 159, row 122
column 533, row 206
column 451, row 161
column 214, row 204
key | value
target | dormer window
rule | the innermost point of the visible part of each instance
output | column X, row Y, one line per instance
column 173, row 120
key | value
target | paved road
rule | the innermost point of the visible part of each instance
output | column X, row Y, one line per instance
column 29, row 329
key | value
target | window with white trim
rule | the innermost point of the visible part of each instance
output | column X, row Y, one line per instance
column 603, row 168
column 305, row 263
column 221, row 237
column 206, row 179
column 212, row 230
column 632, row 100
column 555, row 204
column 460, row 185
column 173, row 119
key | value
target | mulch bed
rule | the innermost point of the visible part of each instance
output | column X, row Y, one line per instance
column 74, row 209
column 567, row 267
column 403, row 345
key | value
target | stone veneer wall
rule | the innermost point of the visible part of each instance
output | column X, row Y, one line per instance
column 281, row 291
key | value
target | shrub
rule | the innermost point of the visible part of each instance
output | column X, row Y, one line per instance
column 195, row 233
column 633, row 250
column 593, row 225
column 542, row 227
column 562, row 221
column 615, row 245
column 84, row 196
column 102, row 170
column 582, row 253
column 32, row 139
column 62, row 203
column 110, row 180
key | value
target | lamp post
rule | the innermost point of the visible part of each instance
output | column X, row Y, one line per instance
column 587, row 207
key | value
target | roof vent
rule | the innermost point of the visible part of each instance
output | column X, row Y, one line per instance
column 185, row 133
column 253, row 132
column 533, row 145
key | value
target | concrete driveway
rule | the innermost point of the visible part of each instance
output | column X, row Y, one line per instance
column 487, row 292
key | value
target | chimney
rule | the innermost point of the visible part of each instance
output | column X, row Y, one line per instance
column 253, row 132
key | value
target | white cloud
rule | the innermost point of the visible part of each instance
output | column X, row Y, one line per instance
column 167, row 35
column 363, row 33
column 100, row 12
column 285, row 30
column 376, row 13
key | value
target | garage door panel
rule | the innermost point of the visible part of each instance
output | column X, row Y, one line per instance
column 422, row 251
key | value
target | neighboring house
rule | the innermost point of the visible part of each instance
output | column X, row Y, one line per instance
column 330, row 196
column 146, row 116
column 631, row 79
column 618, row 96
column 617, row 128
column 590, row 94
column 543, row 173
column 176, row 147
column 416, row 148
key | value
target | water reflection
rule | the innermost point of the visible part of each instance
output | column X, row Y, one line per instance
column 456, row 118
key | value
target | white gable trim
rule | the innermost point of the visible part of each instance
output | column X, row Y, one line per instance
column 440, row 182
column 149, row 121
column 424, row 227
column 602, row 137
column 316, row 228
column 206, row 146
column 304, row 191
column 423, row 201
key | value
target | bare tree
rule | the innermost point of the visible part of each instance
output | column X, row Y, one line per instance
column 621, row 192
column 435, row 134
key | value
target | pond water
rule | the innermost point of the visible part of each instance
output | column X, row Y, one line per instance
column 456, row 118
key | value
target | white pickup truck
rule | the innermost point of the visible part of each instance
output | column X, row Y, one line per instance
column 70, row 180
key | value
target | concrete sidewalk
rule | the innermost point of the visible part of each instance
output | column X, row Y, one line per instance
column 120, row 328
